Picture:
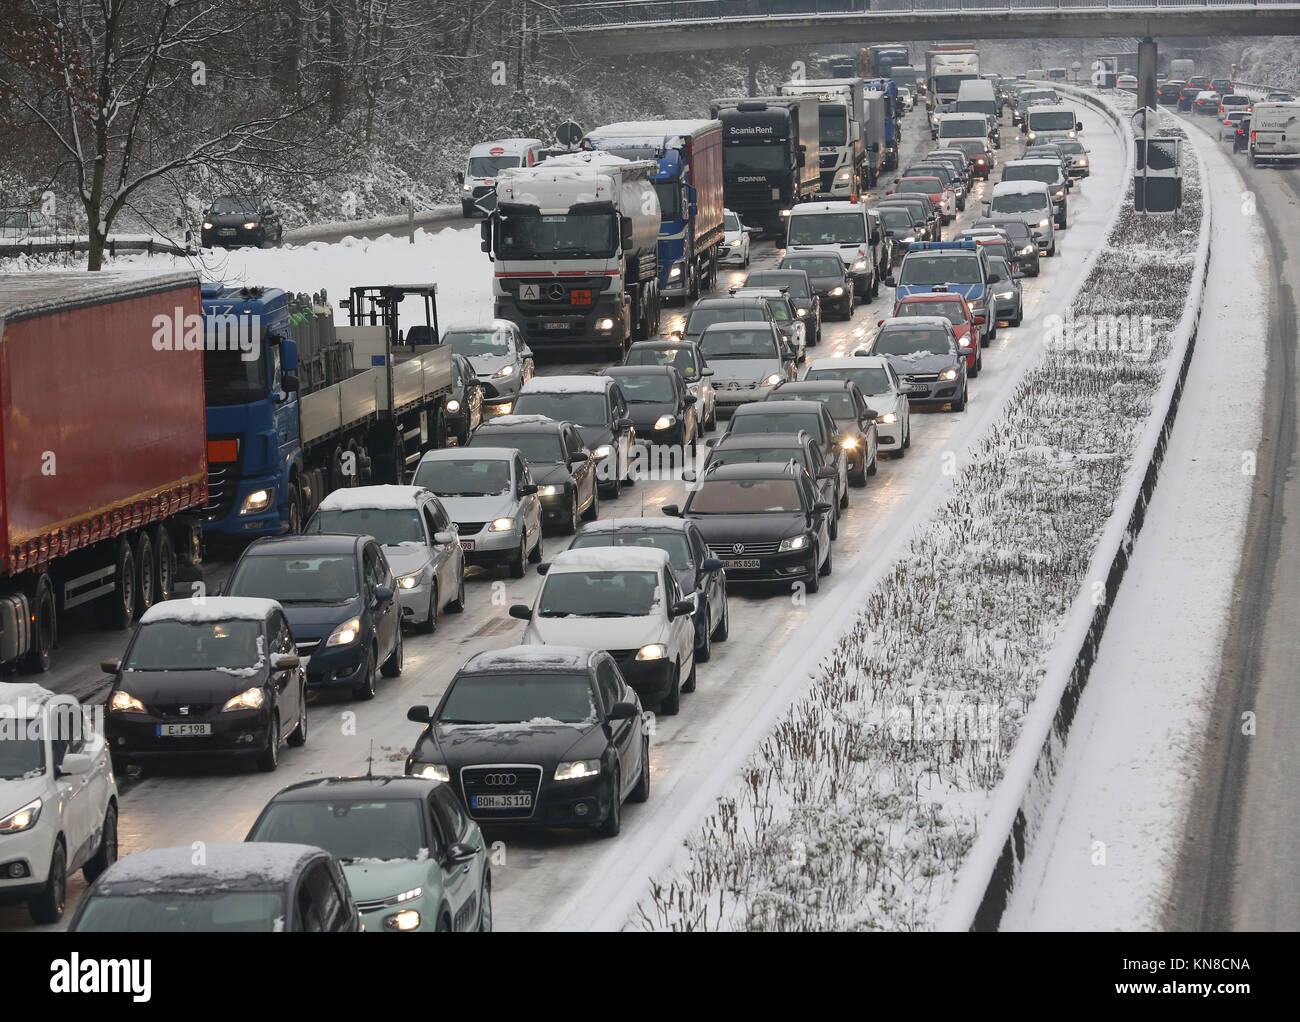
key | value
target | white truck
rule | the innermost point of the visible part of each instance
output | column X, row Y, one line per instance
column 484, row 165
column 575, row 246
column 1274, row 133
column 840, row 132
column 946, row 69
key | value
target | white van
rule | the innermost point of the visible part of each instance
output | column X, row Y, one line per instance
column 849, row 229
column 1274, row 132
column 977, row 96
column 478, row 184
column 1045, row 124
column 1030, row 202
column 952, row 127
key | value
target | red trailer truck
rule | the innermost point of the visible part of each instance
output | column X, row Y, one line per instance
column 103, row 448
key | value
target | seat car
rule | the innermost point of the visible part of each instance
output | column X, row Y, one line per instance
column 595, row 405
column 630, row 598
column 733, row 250
column 491, row 496
column 232, row 888
column 537, row 736
column 465, row 404
column 954, row 308
column 1029, row 202
column 413, row 860
column 58, row 799
column 660, row 405
column 881, row 389
column 340, row 598
column 687, row 359
column 233, row 220
column 200, row 680
column 803, row 292
column 723, row 309
column 854, row 420
column 696, row 569
column 559, row 462
column 827, row 276
column 420, row 544
column 748, row 359
column 924, row 354
column 945, row 173
column 765, row 522
column 787, row 320
column 980, row 154
column 790, row 417
column 500, row 356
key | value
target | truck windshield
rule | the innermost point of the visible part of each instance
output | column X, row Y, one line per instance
column 921, row 268
column 229, row 380
column 950, row 83
column 670, row 199
column 1051, row 120
column 750, row 159
column 833, row 124
column 391, row 526
column 556, row 236
column 196, row 646
column 490, row 166
column 828, row 229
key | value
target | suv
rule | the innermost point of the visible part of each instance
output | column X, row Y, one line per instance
column 1052, row 173
column 1029, row 202
column 960, row 267
column 60, row 799
column 708, row 311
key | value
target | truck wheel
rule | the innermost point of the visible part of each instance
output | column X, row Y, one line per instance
column 44, row 627
column 117, row 609
column 398, row 472
column 144, row 564
column 440, row 428
column 164, row 565
column 295, row 510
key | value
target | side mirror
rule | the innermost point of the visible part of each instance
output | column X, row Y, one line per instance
column 110, row 666
column 1078, row 125
column 710, row 564
column 823, row 508
column 75, row 764
column 671, row 510
column 521, row 611
column 994, row 278
column 289, row 382
column 419, row 715
column 543, row 568
column 681, row 607
column 461, row 852
column 869, row 416
column 444, row 538
column 526, row 489
column 890, row 281
column 624, row 423
column 383, row 593
column 460, row 177
column 827, row 472
column 285, row 661
column 626, row 232
column 987, row 206
column 622, row 711
column 706, row 372
column 875, row 237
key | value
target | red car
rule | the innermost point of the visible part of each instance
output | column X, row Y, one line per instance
column 952, row 307
column 942, row 197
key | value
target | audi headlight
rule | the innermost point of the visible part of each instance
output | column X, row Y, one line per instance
column 503, row 372
column 1028, row 249
column 792, row 543
column 652, row 651
column 501, row 525
column 125, row 702
column 249, row 699
column 603, row 451
column 345, row 634
column 576, row 769
column 22, row 819
column 801, row 313
column 734, row 244
column 401, row 922
column 888, row 419
column 453, row 405
column 1004, row 295
column 433, row 771
column 258, row 500
column 409, row 581
column 551, row 490
column 1044, row 222
column 251, row 225
column 466, row 188
column 948, row 374
column 664, row 421
column 772, row 380
column 836, row 292
column 207, row 225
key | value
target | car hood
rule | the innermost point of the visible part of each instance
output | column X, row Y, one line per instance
column 726, row 529
column 613, row 632
column 595, row 436
column 743, row 369
column 549, row 473
column 920, row 362
column 825, row 285
column 479, row 509
column 407, row 557
column 310, row 621
column 462, row 745
column 18, row 792
column 643, row 416
column 214, row 686
column 232, row 219
column 485, row 365
column 374, row 880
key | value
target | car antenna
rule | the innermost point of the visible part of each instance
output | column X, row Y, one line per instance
column 370, row 761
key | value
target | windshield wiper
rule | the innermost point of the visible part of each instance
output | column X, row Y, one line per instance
column 553, row 613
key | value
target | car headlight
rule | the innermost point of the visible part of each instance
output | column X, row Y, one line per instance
column 860, row 264
column 836, row 292
column 409, row 581
column 1044, row 222
column 433, row 771
column 249, row 699
column 674, row 273
column 207, row 225
column 1060, row 193
column 1032, row 136
column 125, row 702
column 1080, row 163
column 664, row 421
column 948, row 374
column 22, row 819
column 849, row 442
column 1027, row 250
column 1071, row 134
column 258, row 500
column 576, row 769
column 602, row 451
column 1004, row 295
column 605, row 324
column 888, row 419
column 503, row 372
column 792, row 543
column 501, row 525
column 772, row 380
column 963, row 342
column 551, row 490
column 652, row 651
column 251, row 225
column 909, row 240
column 801, row 313
column 345, row 634
column 734, row 244
column 400, row 922
column 453, row 405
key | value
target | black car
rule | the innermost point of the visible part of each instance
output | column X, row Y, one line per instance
column 561, row 465
column 922, row 205
column 538, row 736
column 855, row 421
column 234, row 220
column 764, row 522
column 687, row 359
column 790, row 417
column 829, row 277
column 660, row 405
column 708, row 311
column 465, row 405
column 802, row 291
column 232, row 888
column 219, row 678
column 1023, row 244
column 778, row 449
column 340, row 597
column 596, row 406
column 903, row 225
column 696, row 569
column 1241, row 140
column 924, row 353
column 1168, row 91
column 959, row 160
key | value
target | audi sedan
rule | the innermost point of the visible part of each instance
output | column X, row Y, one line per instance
column 855, row 421
column 234, row 220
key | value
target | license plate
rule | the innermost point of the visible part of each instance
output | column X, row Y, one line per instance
column 501, row 801
column 183, row 730
column 919, row 388
column 552, row 325
column 744, row 562
column 227, row 232
column 467, row 544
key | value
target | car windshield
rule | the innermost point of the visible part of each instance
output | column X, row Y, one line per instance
column 646, row 388
column 796, row 285
column 535, row 447
column 184, row 911
column 196, row 646
column 950, row 310
column 730, row 222
column 838, row 401
column 672, row 543
column 963, row 127
column 682, row 358
column 518, row 699
column 774, row 421
column 1018, row 202
column 391, row 526
column 598, row 594
column 780, row 309
column 1017, row 230
column 490, row 166
column 21, row 754
column 750, row 159
column 926, row 269
column 477, row 343
column 724, row 343
column 912, row 341
column 701, row 319
column 828, row 229
column 227, row 204
column 745, row 496
column 464, row 477
column 586, row 408
column 924, row 185
column 349, row 829
column 1046, row 172
column 1051, row 120
column 309, row 578
column 996, row 248
column 1069, row 145
column 556, row 236
column 758, row 456
column 896, row 219
column 870, row 380
column 998, row 265
column 814, row 266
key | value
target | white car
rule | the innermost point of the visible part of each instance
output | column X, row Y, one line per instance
column 906, row 98
column 1228, row 126
column 58, row 799
column 419, row 540
column 627, row 601
column 883, row 391
column 734, row 250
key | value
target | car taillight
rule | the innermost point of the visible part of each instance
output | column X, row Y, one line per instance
column 1252, row 136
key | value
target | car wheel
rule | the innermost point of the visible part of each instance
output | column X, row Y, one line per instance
column 844, row 496
column 393, row 665
column 485, row 904
column 106, row 855
column 833, row 530
column 537, row 554
column 366, row 690
column 1020, row 315
column 672, row 702
column 457, row 606
column 691, row 678
column 47, row 907
column 704, row 651
column 825, row 569
column 874, row 466
column 593, row 509
column 431, row 625
column 814, row 582
column 614, row 821
column 711, row 423
column 724, row 623
column 641, row 793
column 575, row 519
column 979, row 364
column 520, row 560
column 298, row 737
column 269, row 758
column 960, row 406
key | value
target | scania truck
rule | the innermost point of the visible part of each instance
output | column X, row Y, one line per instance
column 769, row 156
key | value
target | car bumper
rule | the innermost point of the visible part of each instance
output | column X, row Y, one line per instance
column 729, row 256
column 556, row 507
column 729, row 400
column 789, row 567
column 935, row 393
column 134, row 736
column 579, row 803
column 336, row 667
column 1004, row 307
column 415, row 602
column 889, row 437
column 32, row 850
column 650, row 679
column 491, row 548
column 239, row 236
column 499, row 389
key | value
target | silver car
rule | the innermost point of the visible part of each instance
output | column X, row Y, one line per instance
column 784, row 314
column 490, row 495
column 418, row 538
column 748, row 360
column 501, row 358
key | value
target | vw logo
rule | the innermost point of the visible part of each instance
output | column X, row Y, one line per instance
column 500, row 779
column 737, row 548
column 556, row 293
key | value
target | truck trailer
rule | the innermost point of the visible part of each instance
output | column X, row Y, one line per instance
column 946, row 67
column 103, row 470
column 769, row 155
column 689, row 185
column 840, row 116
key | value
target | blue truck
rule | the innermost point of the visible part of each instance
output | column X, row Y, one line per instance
column 297, row 407
column 961, row 267
column 888, row 88
column 689, row 186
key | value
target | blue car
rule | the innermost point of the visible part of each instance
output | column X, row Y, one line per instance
column 339, row 595
column 954, row 266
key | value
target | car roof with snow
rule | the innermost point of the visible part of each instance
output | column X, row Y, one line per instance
column 909, row 322
column 768, row 408
column 615, row 558
column 761, row 326
column 761, row 441
column 384, row 496
column 246, row 866
column 829, row 206
column 24, row 693
column 575, row 384
column 633, row 525
column 492, row 324
column 210, row 608
column 535, row 658
column 468, row 454
column 1019, row 188
column 871, row 361
column 519, row 423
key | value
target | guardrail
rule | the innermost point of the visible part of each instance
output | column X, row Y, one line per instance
column 74, row 245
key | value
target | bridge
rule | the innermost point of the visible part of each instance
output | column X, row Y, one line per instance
column 664, row 26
